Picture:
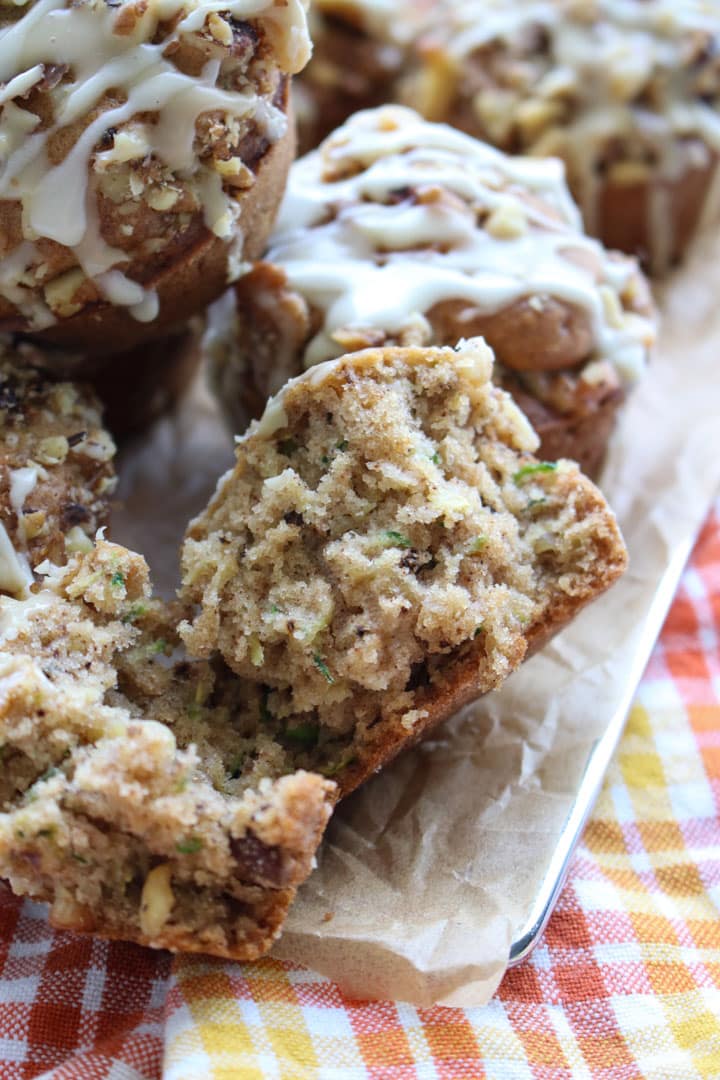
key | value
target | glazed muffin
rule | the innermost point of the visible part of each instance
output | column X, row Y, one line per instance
column 625, row 92
column 104, row 815
column 145, row 149
column 386, row 549
column 399, row 231
column 56, row 470
column 360, row 50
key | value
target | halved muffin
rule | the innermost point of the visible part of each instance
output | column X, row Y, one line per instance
column 112, row 809
column 386, row 549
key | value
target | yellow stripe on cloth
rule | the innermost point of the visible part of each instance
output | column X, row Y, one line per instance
column 247, row 1022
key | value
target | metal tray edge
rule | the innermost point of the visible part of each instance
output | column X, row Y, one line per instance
column 528, row 936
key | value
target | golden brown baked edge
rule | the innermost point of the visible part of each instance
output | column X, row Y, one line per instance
column 461, row 684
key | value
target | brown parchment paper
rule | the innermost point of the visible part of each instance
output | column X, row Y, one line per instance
column 428, row 872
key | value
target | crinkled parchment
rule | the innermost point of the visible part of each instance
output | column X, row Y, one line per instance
column 429, row 872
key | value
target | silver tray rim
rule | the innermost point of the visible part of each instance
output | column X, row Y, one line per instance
column 528, row 935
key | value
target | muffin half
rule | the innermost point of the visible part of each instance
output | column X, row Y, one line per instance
column 113, row 806
column 386, row 549
column 103, row 814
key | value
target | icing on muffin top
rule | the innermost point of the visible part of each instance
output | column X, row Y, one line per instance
column 652, row 55
column 89, row 86
column 394, row 215
column 626, row 92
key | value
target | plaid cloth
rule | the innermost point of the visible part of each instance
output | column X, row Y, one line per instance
column 625, row 983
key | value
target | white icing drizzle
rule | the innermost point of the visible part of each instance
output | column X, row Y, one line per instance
column 378, row 260
column 14, row 614
column 15, row 574
column 664, row 21
column 628, row 70
column 58, row 199
column 21, row 84
column 22, row 484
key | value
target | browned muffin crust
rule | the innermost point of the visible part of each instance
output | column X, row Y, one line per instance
column 135, row 387
column 141, row 385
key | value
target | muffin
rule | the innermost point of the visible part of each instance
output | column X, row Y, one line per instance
column 626, row 93
column 386, row 549
column 112, row 807
column 360, row 49
column 400, row 231
column 103, row 814
column 145, row 149
column 56, row 470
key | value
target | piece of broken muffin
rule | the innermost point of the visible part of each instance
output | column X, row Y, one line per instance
column 115, row 818
column 386, row 549
column 104, row 813
column 56, row 469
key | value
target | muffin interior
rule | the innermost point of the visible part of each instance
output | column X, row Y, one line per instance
column 102, row 813
column 385, row 523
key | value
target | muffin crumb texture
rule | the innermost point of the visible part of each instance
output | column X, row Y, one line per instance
column 104, row 813
column 386, row 548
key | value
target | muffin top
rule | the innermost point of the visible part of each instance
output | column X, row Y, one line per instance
column 394, row 216
column 542, row 64
column 56, row 469
column 120, row 125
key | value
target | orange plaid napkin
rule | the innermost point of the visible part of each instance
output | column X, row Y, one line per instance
column 625, row 983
